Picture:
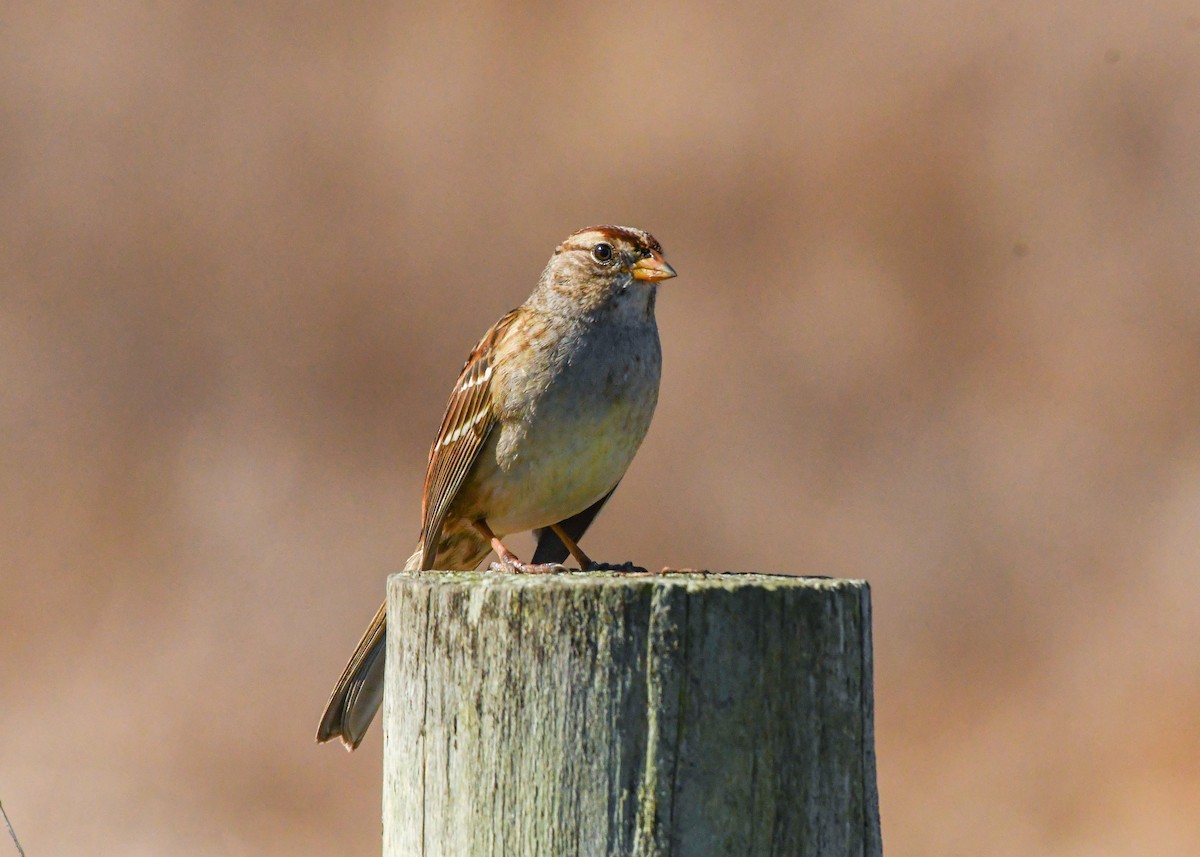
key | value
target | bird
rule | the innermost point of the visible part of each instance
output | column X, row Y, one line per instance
column 541, row 425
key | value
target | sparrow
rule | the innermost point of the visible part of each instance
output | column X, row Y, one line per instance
column 541, row 425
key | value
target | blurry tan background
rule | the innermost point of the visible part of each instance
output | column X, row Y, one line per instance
column 937, row 325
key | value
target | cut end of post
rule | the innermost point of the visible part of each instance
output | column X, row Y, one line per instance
column 691, row 577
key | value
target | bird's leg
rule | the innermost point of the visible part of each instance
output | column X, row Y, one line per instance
column 508, row 559
column 506, row 556
column 580, row 557
column 587, row 564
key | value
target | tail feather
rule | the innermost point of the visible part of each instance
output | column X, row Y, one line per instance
column 359, row 692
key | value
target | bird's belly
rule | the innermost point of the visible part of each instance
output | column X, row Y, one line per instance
column 571, row 452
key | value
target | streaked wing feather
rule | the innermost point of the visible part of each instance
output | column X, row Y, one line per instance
column 468, row 421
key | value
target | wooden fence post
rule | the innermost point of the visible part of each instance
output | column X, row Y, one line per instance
column 600, row 715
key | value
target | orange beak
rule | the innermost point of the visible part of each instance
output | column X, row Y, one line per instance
column 652, row 269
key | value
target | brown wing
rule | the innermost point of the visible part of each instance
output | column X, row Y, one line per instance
column 469, row 420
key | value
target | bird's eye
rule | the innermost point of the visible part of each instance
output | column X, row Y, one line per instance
column 602, row 252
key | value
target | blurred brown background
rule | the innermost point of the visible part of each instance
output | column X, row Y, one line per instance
column 937, row 325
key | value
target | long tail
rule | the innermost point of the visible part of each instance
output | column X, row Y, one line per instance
column 359, row 692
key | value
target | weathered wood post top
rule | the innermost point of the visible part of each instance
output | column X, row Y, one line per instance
column 605, row 715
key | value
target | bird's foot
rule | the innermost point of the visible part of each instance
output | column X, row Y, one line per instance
column 625, row 568
column 515, row 566
column 509, row 564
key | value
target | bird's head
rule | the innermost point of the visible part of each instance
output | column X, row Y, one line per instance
column 606, row 265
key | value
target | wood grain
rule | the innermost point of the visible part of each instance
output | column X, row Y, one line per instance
column 687, row 714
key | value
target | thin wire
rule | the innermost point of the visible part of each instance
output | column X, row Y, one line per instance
column 11, row 832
